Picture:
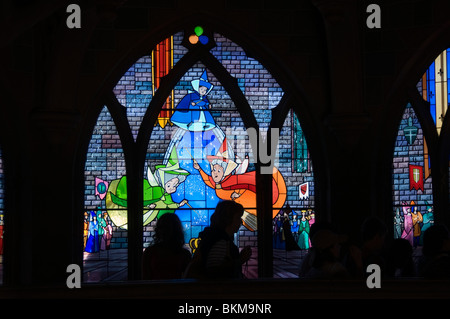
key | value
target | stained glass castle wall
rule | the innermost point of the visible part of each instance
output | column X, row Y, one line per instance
column 134, row 91
column 412, row 181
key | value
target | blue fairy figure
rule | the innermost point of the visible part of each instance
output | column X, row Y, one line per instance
column 192, row 112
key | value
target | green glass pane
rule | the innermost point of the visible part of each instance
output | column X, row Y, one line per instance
column 198, row 30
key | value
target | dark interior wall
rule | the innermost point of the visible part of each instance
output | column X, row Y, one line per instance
column 348, row 83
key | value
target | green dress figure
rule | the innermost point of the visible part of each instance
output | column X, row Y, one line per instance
column 303, row 233
column 167, row 179
column 157, row 190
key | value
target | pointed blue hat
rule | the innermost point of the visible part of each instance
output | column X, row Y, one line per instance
column 202, row 81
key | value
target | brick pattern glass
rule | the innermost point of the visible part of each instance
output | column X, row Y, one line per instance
column 194, row 200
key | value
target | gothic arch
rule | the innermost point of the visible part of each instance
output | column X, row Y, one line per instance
column 403, row 91
column 135, row 150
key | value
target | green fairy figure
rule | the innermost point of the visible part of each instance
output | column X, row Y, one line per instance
column 157, row 189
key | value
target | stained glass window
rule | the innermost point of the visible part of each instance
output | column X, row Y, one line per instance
column 434, row 88
column 292, row 224
column 300, row 154
column 199, row 151
column 413, row 193
column 162, row 63
column 207, row 146
column 412, row 169
column 260, row 88
column 104, row 237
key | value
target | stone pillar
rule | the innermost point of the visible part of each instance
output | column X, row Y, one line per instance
column 56, row 226
column 347, row 120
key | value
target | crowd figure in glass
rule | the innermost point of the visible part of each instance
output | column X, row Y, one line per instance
column 97, row 232
column 410, row 223
column 289, row 223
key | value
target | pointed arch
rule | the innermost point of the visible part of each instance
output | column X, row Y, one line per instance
column 175, row 75
column 427, row 166
column 412, row 188
column 404, row 90
column 135, row 149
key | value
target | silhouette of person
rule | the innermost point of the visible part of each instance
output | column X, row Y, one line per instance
column 220, row 257
column 166, row 258
column 435, row 262
column 324, row 259
column 374, row 243
column 400, row 261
